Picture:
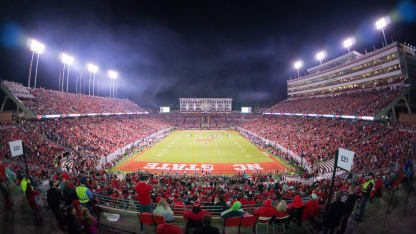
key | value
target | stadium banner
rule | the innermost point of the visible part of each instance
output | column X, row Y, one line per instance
column 345, row 159
column 16, row 148
column 59, row 116
column 369, row 118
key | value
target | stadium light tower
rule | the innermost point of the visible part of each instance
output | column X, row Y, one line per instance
column 92, row 68
column 67, row 60
column 113, row 76
column 320, row 56
column 38, row 48
column 348, row 43
column 298, row 64
column 381, row 24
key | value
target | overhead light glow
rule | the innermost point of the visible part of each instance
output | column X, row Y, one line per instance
column 112, row 74
column 320, row 55
column 36, row 46
column 298, row 64
column 67, row 59
column 382, row 22
column 92, row 67
column 349, row 42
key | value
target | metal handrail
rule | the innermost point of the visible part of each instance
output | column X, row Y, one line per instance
column 130, row 205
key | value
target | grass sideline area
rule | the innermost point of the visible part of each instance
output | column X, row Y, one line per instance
column 214, row 151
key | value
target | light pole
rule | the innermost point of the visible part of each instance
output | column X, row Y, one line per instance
column 80, row 82
column 92, row 68
column 113, row 76
column 320, row 56
column 38, row 48
column 298, row 64
column 76, row 83
column 61, row 78
column 67, row 61
column 348, row 43
column 381, row 24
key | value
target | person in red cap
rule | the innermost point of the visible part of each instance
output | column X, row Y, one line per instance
column 267, row 210
column 194, row 216
column 196, row 213
column 296, row 202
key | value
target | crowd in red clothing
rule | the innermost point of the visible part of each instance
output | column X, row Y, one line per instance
column 46, row 101
column 39, row 151
column 101, row 135
column 316, row 138
column 389, row 148
column 360, row 103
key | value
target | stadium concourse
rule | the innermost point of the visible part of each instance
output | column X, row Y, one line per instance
column 65, row 152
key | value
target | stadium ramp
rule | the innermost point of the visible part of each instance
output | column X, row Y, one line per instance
column 391, row 106
column 20, row 106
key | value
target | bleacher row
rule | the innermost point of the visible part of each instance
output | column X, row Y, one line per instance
column 357, row 103
column 45, row 101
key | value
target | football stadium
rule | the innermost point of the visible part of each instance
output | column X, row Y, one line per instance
column 122, row 117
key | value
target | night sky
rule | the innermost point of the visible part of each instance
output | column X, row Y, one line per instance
column 164, row 50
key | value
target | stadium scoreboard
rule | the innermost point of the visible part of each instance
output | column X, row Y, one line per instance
column 164, row 109
column 205, row 104
column 246, row 109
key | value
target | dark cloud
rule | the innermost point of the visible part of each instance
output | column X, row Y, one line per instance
column 165, row 50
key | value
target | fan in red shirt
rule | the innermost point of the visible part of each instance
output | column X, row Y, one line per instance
column 143, row 196
column 311, row 209
column 168, row 228
column 196, row 213
column 267, row 210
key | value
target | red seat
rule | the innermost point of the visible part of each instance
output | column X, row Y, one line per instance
column 248, row 220
column 159, row 219
column 146, row 219
column 261, row 220
column 232, row 221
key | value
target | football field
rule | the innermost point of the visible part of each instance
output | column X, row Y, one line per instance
column 190, row 151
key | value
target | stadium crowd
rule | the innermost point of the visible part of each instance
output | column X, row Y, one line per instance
column 387, row 150
column 46, row 101
column 316, row 139
column 141, row 191
column 359, row 103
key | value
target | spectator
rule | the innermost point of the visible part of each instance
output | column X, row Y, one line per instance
column 333, row 215
column 234, row 211
column 69, row 194
column 84, row 194
column 311, row 209
column 267, row 210
column 6, row 195
column 71, row 221
column 163, row 209
column 54, row 199
column 194, row 216
column 207, row 228
column 296, row 202
column 348, row 208
column 143, row 196
column 368, row 187
column 30, row 195
column 282, row 210
column 168, row 228
column 90, row 224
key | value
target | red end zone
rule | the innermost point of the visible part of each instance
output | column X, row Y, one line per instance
column 190, row 168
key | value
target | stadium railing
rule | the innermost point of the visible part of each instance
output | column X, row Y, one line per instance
column 132, row 206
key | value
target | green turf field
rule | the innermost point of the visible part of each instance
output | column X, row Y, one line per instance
column 204, row 146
